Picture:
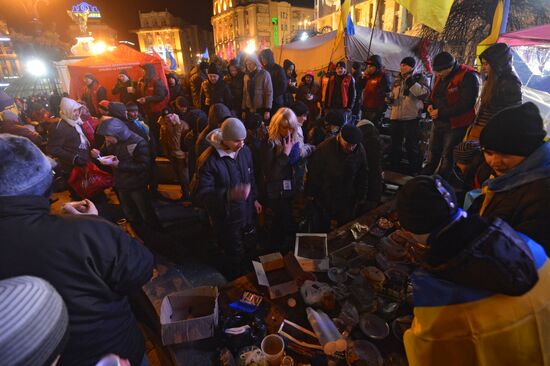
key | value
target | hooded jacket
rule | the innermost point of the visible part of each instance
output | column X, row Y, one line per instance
column 121, row 88
column 65, row 143
column 217, row 173
column 482, row 299
column 257, row 89
column 313, row 90
column 507, row 88
column 132, row 152
column 235, row 84
column 197, row 76
column 521, row 197
column 152, row 88
column 216, row 115
column 176, row 90
column 92, row 263
column 291, row 82
column 215, row 93
column 278, row 76
column 118, row 110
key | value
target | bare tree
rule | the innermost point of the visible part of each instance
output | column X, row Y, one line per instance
column 470, row 22
column 31, row 7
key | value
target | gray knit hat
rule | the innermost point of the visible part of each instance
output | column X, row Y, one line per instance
column 233, row 129
column 33, row 322
column 24, row 169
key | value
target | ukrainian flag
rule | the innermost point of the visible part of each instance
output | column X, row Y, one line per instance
column 458, row 326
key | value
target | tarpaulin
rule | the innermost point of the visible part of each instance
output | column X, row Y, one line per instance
column 535, row 36
column 106, row 67
column 314, row 53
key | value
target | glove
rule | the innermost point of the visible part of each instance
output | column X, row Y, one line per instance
column 79, row 161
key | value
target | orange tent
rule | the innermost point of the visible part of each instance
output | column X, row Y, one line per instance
column 107, row 65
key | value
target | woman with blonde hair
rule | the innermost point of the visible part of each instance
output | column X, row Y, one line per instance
column 280, row 157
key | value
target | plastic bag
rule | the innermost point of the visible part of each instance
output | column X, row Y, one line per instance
column 89, row 180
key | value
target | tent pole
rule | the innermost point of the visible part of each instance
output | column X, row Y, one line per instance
column 373, row 26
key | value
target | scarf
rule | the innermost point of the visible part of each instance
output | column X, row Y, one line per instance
column 77, row 125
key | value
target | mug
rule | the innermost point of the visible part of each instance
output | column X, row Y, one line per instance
column 273, row 347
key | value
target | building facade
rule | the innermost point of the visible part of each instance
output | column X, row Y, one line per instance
column 391, row 16
column 10, row 66
column 178, row 43
column 250, row 25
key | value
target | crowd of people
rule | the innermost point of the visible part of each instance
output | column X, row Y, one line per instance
column 252, row 142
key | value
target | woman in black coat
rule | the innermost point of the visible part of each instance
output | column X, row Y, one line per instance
column 501, row 89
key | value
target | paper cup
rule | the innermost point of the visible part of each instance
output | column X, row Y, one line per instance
column 273, row 347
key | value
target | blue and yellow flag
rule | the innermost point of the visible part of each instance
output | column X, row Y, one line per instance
column 344, row 13
column 431, row 13
column 500, row 20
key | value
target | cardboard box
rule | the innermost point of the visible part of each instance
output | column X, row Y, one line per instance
column 311, row 251
column 189, row 315
column 279, row 274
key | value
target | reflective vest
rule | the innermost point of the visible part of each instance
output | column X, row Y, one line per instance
column 373, row 95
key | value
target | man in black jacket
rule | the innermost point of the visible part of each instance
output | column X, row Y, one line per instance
column 125, row 87
column 130, row 163
column 337, row 178
column 93, row 264
column 278, row 78
column 225, row 185
column 340, row 92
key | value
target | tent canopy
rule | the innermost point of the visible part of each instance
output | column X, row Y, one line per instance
column 107, row 65
column 535, row 36
column 315, row 53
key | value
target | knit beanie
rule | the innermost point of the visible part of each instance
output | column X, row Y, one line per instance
column 375, row 60
column 466, row 151
column 514, row 130
column 203, row 65
column 443, row 60
column 426, row 203
column 351, row 134
column 24, row 169
column 299, row 108
column 409, row 61
column 33, row 322
column 213, row 69
column 233, row 129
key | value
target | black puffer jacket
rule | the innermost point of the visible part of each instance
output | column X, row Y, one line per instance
column 507, row 90
column 121, row 88
column 217, row 174
column 215, row 93
column 336, row 179
column 235, row 84
column 131, row 150
column 484, row 255
column 118, row 110
column 92, row 263
column 216, row 115
column 278, row 76
column 176, row 90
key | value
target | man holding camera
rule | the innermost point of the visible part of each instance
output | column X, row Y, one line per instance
column 408, row 91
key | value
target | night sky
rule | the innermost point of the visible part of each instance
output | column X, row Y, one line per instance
column 122, row 15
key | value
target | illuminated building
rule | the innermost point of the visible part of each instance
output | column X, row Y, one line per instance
column 10, row 66
column 177, row 42
column 391, row 16
column 250, row 25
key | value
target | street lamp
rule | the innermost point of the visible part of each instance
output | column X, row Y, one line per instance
column 37, row 68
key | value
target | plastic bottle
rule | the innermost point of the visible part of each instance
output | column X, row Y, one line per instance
column 329, row 337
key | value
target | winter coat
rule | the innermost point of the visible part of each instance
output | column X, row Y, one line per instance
column 375, row 87
column 373, row 152
column 276, row 168
column 94, row 94
column 292, row 88
column 121, row 88
column 340, row 93
column 482, row 300
column 94, row 266
column 197, row 121
column 506, row 91
column 196, row 79
column 235, row 85
column 314, row 89
column 455, row 96
column 216, row 115
column 215, row 93
column 521, row 197
column 176, row 90
column 262, row 93
column 217, row 173
column 118, row 110
column 407, row 95
column 132, row 152
column 336, row 179
column 278, row 76
column 18, row 129
column 172, row 130
column 64, row 145
column 152, row 88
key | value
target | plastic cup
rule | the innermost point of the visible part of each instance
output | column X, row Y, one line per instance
column 273, row 346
